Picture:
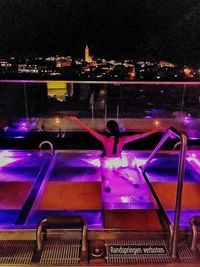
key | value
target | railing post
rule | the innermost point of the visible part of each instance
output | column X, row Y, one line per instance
column 92, row 108
column 105, row 112
column 117, row 113
column 26, row 105
column 183, row 96
column 72, row 89
column 165, row 137
column 181, row 171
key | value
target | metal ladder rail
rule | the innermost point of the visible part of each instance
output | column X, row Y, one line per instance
column 64, row 220
column 180, row 175
column 194, row 222
column 164, row 215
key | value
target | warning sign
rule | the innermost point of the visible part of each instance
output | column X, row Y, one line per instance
column 136, row 250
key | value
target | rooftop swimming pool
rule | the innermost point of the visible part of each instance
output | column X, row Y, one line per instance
column 35, row 184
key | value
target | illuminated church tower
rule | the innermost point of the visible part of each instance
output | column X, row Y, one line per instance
column 87, row 56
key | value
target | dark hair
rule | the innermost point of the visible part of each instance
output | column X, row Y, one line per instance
column 113, row 127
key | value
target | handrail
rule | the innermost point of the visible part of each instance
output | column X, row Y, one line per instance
column 64, row 220
column 167, row 220
column 103, row 82
column 194, row 222
column 176, row 145
column 50, row 145
column 180, row 175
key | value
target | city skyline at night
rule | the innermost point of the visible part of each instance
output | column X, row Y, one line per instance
column 139, row 30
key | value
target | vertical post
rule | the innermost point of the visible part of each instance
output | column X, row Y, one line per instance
column 117, row 113
column 105, row 101
column 72, row 89
column 92, row 114
column 181, row 171
column 105, row 112
column 156, row 122
column 183, row 97
column 92, row 111
column 26, row 105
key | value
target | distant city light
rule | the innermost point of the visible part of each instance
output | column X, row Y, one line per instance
column 188, row 72
column 156, row 123
column 57, row 120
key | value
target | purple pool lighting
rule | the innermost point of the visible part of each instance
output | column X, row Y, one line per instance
column 162, row 173
column 72, row 174
column 186, row 215
column 6, row 158
column 18, row 172
column 19, row 165
column 164, row 167
column 81, row 171
column 194, row 158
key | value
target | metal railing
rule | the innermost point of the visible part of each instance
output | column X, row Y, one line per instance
column 180, row 176
column 194, row 222
column 50, row 146
column 59, row 220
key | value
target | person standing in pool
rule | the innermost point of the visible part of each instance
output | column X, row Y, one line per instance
column 113, row 145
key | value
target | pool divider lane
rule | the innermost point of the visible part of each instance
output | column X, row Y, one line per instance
column 42, row 176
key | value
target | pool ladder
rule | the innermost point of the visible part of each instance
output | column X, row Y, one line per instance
column 172, row 132
column 194, row 223
column 50, row 146
column 58, row 222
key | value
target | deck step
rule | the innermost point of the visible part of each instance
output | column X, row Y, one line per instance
column 61, row 252
column 185, row 254
column 16, row 251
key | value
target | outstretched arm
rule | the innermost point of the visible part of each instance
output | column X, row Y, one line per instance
column 84, row 126
column 134, row 137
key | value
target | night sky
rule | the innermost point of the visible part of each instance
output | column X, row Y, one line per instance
column 121, row 29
